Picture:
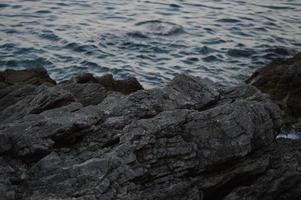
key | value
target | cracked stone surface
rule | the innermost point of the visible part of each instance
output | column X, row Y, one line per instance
column 83, row 140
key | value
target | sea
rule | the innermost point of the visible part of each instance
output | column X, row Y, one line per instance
column 152, row 40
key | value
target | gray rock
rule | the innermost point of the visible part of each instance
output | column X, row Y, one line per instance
column 282, row 80
column 281, row 180
column 86, row 94
column 182, row 92
column 36, row 135
column 26, row 101
column 126, row 86
column 188, row 140
column 35, row 76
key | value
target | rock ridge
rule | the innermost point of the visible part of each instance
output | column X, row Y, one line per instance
column 100, row 138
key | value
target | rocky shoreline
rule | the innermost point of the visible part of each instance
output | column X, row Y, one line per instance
column 101, row 138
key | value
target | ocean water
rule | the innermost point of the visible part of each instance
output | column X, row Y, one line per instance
column 153, row 40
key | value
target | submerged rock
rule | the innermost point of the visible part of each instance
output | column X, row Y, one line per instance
column 83, row 139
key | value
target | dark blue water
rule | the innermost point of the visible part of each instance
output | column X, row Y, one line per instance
column 225, row 40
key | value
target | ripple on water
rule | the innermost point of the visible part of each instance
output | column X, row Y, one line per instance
column 160, row 28
column 173, row 5
column 228, row 20
column 82, row 48
column 50, row 35
column 241, row 52
column 280, row 51
column 215, row 40
column 211, row 58
column 43, row 11
column 190, row 60
column 138, row 34
column 276, row 7
column 26, row 63
column 8, row 46
column 204, row 50
column 4, row 5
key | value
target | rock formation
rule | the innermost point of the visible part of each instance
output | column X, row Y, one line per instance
column 88, row 138
column 282, row 80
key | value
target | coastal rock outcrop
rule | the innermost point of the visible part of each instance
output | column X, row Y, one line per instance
column 282, row 80
column 126, row 86
column 32, row 76
column 81, row 139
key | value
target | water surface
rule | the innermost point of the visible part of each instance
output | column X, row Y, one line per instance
column 225, row 40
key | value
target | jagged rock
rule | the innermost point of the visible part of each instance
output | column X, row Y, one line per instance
column 28, row 100
column 36, row 135
column 182, row 92
column 280, row 180
column 282, row 80
column 188, row 140
column 14, row 93
column 87, row 94
column 31, row 76
column 7, row 191
column 124, row 86
column 84, row 78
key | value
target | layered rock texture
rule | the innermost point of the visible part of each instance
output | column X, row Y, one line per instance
column 99, row 138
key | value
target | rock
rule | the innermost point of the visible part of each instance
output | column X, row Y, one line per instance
column 182, row 92
column 282, row 80
column 33, row 137
column 29, row 76
column 192, row 92
column 7, row 190
column 14, row 93
column 87, row 94
column 279, row 181
column 26, row 100
column 85, row 78
column 124, row 86
column 189, row 140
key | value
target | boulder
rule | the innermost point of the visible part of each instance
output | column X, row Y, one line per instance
column 282, row 80
column 126, row 86
column 31, row 76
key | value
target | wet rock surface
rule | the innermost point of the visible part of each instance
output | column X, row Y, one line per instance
column 81, row 140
